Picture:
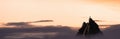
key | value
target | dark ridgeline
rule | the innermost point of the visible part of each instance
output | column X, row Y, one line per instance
column 89, row 29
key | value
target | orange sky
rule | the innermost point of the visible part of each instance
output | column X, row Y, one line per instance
column 63, row 12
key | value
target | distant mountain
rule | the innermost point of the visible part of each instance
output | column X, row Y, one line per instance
column 88, row 29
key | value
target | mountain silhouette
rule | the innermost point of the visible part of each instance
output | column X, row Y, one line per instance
column 89, row 29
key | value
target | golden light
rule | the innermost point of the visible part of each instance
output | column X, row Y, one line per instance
column 64, row 12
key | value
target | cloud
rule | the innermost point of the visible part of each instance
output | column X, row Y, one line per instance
column 42, row 21
column 17, row 24
column 112, row 32
column 99, row 20
column 112, row 27
column 25, row 23
column 52, row 32
column 21, row 33
column 104, row 25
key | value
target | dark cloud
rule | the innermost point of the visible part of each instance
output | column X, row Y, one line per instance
column 112, row 27
column 104, row 25
column 25, row 23
column 99, row 20
column 112, row 32
column 17, row 24
column 50, row 32
column 43, row 21
column 61, row 32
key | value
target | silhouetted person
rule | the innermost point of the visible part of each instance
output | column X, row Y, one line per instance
column 89, row 29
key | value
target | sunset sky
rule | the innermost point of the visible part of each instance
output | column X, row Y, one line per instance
column 63, row 12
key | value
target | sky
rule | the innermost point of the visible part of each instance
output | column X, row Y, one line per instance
column 63, row 12
column 20, row 19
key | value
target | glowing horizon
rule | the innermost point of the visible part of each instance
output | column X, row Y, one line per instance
column 63, row 12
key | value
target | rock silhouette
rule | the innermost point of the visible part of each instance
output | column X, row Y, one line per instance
column 89, row 29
